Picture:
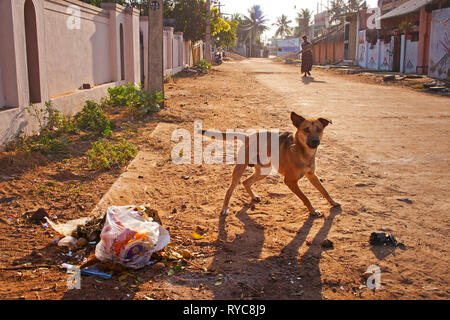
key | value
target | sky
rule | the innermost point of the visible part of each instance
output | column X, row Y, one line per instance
column 275, row 8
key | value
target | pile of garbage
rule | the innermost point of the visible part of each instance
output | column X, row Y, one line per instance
column 125, row 235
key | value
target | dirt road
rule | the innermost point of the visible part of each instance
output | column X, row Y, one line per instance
column 385, row 159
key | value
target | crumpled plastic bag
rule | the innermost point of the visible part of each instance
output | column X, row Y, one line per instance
column 129, row 237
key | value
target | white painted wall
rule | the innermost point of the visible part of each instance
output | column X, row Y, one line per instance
column 411, row 56
column 439, row 61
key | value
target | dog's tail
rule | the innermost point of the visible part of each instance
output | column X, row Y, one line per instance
column 221, row 135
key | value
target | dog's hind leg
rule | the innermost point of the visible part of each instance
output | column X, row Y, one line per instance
column 237, row 174
column 316, row 183
column 257, row 176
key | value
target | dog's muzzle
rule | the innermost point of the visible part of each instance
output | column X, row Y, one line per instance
column 313, row 143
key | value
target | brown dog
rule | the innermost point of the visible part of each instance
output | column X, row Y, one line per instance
column 297, row 155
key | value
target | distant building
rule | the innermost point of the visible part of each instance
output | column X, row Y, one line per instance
column 406, row 36
column 287, row 46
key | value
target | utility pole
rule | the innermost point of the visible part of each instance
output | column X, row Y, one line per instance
column 219, row 5
column 155, row 72
column 208, row 31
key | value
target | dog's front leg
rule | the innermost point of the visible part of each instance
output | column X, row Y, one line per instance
column 237, row 174
column 293, row 186
column 316, row 183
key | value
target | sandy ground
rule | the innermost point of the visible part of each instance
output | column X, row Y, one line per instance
column 386, row 144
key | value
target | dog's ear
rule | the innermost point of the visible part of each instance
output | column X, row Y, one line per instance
column 325, row 122
column 296, row 119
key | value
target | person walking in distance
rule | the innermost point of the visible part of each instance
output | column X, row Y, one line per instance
column 307, row 58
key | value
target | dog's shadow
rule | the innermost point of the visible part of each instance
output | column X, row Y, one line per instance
column 281, row 276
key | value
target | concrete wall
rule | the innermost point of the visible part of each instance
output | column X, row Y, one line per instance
column 176, row 50
column 104, row 51
column 53, row 60
column 439, row 56
column 76, row 56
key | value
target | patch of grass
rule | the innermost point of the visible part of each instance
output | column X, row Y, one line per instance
column 204, row 65
column 107, row 155
column 75, row 190
column 93, row 118
column 136, row 99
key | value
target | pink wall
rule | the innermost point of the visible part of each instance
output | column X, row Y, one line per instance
column 66, row 57
column 176, row 50
column 76, row 56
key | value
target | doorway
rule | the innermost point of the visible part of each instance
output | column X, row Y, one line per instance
column 122, row 56
column 34, row 83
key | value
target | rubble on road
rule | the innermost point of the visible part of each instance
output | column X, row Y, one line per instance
column 381, row 238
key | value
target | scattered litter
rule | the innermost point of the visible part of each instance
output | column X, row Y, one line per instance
column 69, row 228
column 197, row 236
column 69, row 241
column 91, row 229
column 130, row 236
column 67, row 266
column 93, row 271
column 380, row 238
column 45, row 225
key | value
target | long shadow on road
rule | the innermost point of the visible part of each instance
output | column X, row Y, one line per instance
column 281, row 276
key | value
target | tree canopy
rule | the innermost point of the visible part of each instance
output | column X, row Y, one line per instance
column 283, row 28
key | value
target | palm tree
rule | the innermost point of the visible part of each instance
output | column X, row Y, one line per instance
column 253, row 25
column 337, row 9
column 283, row 28
column 356, row 5
column 303, row 19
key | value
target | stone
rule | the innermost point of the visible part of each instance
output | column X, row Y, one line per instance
column 159, row 266
column 327, row 244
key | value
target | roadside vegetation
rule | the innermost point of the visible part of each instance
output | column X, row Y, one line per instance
column 58, row 135
column 203, row 65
